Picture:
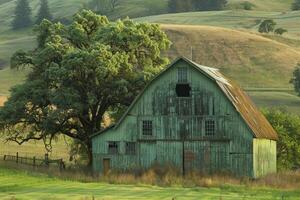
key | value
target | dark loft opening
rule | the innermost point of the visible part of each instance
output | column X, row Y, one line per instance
column 183, row 90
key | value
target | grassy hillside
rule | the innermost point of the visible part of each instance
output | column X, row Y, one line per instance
column 248, row 58
column 235, row 19
column 21, row 185
column 132, row 8
column 264, row 5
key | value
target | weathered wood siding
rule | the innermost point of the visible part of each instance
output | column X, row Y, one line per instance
column 231, row 148
column 264, row 157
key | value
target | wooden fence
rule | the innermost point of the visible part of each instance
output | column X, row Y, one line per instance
column 35, row 162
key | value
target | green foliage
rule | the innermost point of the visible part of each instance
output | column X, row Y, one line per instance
column 78, row 73
column 296, row 5
column 22, row 18
column 288, row 145
column 44, row 12
column 247, row 5
column 267, row 26
column 296, row 79
column 280, row 31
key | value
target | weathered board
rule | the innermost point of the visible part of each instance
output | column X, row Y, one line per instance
column 179, row 130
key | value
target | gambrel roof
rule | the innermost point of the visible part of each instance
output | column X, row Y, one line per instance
column 255, row 120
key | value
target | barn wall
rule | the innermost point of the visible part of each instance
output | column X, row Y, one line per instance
column 229, row 149
column 264, row 157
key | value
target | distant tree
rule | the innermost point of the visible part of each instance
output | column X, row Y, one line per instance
column 296, row 5
column 176, row 6
column 22, row 15
column 102, row 6
column 247, row 5
column 78, row 74
column 206, row 5
column 44, row 12
column 296, row 79
column 218, row 4
column 114, row 4
column 280, row 31
column 288, row 145
column 267, row 26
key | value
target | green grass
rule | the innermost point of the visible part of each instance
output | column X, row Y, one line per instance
column 132, row 8
column 24, row 186
column 276, row 99
column 235, row 19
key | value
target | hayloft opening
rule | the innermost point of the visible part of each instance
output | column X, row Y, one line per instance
column 183, row 90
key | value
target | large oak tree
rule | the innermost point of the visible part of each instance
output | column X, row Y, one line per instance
column 78, row 73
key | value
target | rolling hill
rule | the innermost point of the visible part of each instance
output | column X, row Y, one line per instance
column 234, row 19
column 131, row 8
column 251, row 59
column 224, row 39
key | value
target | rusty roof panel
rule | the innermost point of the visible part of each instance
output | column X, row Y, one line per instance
column 256, row 121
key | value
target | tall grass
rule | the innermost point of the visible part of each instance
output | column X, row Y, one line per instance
column 165, row 176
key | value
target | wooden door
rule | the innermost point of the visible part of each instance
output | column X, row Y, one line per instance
column 106, row 166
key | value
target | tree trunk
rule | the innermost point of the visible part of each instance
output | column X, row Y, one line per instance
column 89, row 153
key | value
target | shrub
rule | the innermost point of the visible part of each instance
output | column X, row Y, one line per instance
column 280, row 31
column 267, row 26
column 247, row 5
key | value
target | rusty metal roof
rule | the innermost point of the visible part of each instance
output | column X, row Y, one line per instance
column 256, row 121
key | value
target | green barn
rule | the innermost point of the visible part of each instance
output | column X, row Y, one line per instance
column 192, row 117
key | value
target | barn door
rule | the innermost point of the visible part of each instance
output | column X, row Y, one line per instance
column 147, row 154
column 106, row 166
column 197, row 156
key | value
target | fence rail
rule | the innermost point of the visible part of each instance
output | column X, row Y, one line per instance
column 34, row 161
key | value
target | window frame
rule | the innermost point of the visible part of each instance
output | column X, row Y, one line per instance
column 117, row 146
column 210, row 127
column 147, row 128
column 182, row 75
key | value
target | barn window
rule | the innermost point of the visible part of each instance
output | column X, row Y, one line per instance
column 113, row 147
column 182, row 75
column 147, row 127
column 183, row 90
column 130, row 148
column 210, row 127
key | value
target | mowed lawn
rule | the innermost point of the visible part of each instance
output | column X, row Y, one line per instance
column 28, row 186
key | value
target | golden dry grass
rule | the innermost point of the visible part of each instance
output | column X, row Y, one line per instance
column 249, row 58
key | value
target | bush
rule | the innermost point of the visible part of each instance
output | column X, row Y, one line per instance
column 247, row 5
column 267, row 26
column 287, row 126
column 280, row 31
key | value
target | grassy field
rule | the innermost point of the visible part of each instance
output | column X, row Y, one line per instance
column 251, row 59
column 24, row 186
column 235, row 19
column 132, row 8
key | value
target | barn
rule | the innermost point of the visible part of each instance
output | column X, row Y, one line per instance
column 193, row 118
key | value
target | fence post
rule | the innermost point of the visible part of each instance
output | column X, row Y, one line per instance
column 47, row 160
column 17, row 157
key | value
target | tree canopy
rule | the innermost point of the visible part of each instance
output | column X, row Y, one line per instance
column 79, row 73
column 267, row 26
column 296, row 79
column 288, row 145
column 22, row 15
column 296, row 5
column 44, row 12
